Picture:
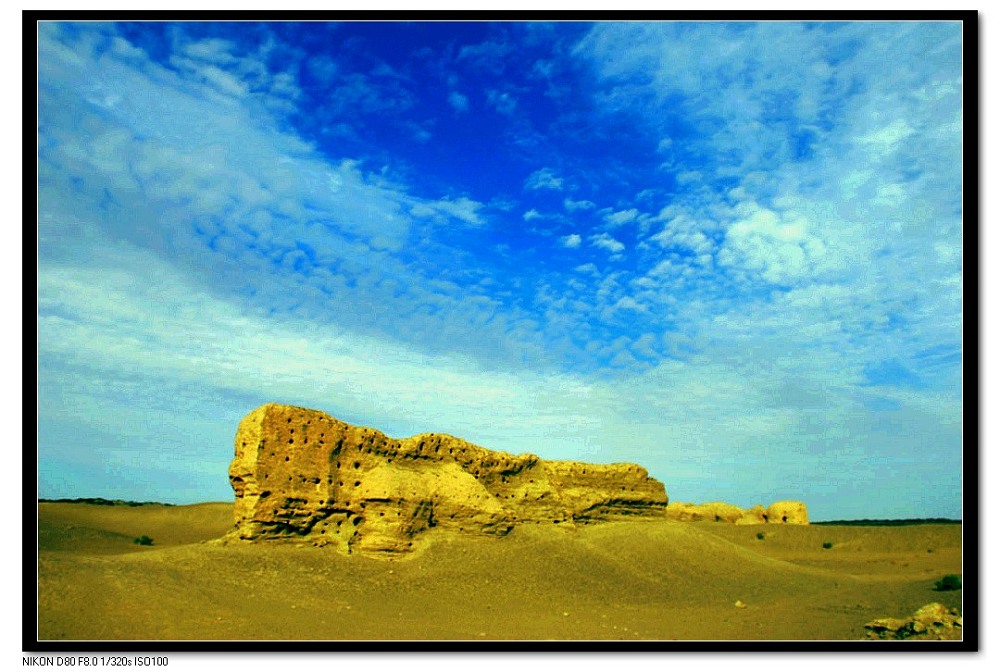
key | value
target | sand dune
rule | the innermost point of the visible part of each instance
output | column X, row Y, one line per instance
column 624, row 580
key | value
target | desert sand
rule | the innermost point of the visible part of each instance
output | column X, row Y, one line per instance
column 641, row 580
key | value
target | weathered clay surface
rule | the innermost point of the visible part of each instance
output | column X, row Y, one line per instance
column 300, row 474
column 788, row 513
column 931, row 621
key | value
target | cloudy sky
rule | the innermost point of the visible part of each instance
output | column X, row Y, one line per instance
column 730, row 252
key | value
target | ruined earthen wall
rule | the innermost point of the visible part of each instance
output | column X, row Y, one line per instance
column 300, row 474
column 784, row 512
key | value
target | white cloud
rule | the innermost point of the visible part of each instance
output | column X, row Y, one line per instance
column 571, row 241
column 544, row 178
column 323, row 68
column 644, row 346
column 887, row 137
column 683, row 233
column 217, row 63
column 606, row 242
column 212, row 50
column 729, row 79
column 628, row 303
column 621, row 217
column 777, row 246
column 502, row 101
column 689, row 177
column 575, row 206
column 543, row 69
column 421, row 135
column 463, row 209
column 490, row 55
column 458, row 101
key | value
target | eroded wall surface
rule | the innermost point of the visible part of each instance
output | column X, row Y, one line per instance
column 302, row 475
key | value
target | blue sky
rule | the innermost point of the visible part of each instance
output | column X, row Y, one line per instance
column 730, row 252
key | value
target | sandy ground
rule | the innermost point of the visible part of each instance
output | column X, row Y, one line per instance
column 661, row 580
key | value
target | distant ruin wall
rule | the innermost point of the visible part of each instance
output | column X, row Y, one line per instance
column 302, row 475
column 785, row 513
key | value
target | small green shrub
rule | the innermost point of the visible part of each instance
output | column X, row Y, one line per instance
column 760, row 536
column 827, row 544
column 948, row 582
column 143, row 541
